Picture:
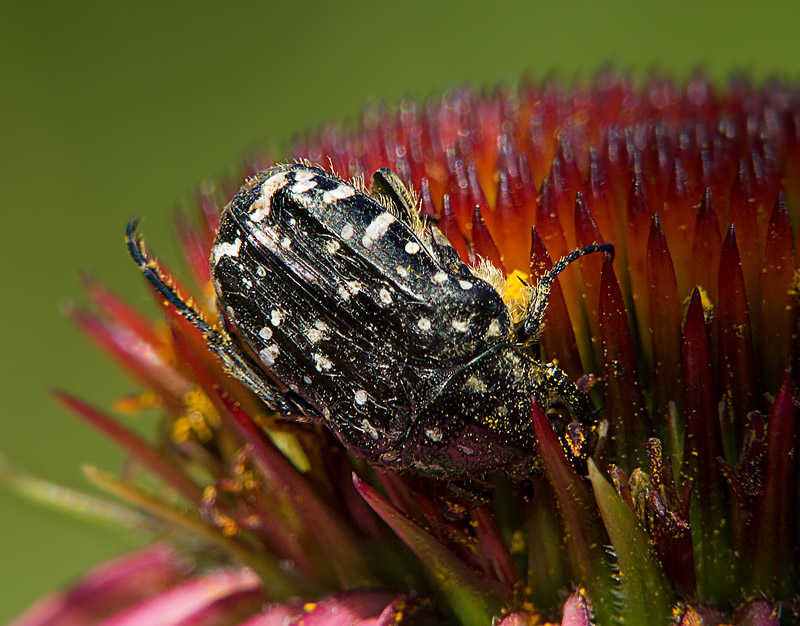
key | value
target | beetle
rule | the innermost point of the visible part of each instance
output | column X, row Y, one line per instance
column 343, row 306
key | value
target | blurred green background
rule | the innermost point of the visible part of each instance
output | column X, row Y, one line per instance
column 111, row 110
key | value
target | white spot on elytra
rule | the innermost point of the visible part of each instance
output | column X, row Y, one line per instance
column 315, row 335
column 439, row 277
column 320, row 325
column 385, row 296
column 286, row 243
column 476, row 384
column 306, row 380
column 369, row 429
column 261, row 207
column 494, row 328
column 301, row 175
column 227, row 249
column 322, row 363
column 401, row 271
column 465, row 284
column 460, row 326
column 412, row 247
column 339, row 193
column 305, row 180
column 350, row 288
column 348, row 231
column 276, row 317
column 269, row 354
column 377, row 228
column 361, row 396
column 265, row 333
column 424, row 323
column 257, row 208
column 434, row 434
column 332, row 247
column 261, row 271
column 303, row 186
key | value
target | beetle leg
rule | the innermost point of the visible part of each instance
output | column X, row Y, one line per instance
column 236, row 362
column 551, row 384
column 388, row 186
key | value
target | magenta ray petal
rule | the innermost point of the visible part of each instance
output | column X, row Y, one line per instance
column 109, row 588
column 577, row 611
column 215, row 599
column 283, row 614
column 758, row 613
column 362, row 607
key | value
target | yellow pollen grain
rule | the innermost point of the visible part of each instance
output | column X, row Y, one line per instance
column 134, row 404
column 197, row 400
column 209, row 494
column 309, row 606
column 517, row 544
column 200, row 426
column 199, row 419
column 515, row 286
column 517, row 294
column 705, row 303
column 181, row 430
column 227, row 525
column 795, row 289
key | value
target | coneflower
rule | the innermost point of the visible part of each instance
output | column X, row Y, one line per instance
column 683, row 509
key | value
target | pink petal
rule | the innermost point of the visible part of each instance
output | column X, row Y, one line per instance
column 367, row 607
column 577, row 611
column 115, row 585
column 210, row 600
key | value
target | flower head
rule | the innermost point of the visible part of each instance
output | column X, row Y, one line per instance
column 680, row 506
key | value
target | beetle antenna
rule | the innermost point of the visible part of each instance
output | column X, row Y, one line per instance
column 533, row 326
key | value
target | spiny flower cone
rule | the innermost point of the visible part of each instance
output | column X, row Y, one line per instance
column 680, row 507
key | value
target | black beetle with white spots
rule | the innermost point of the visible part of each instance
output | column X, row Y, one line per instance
column 345, row 307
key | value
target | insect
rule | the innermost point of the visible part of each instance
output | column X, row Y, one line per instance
column 343, row 306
